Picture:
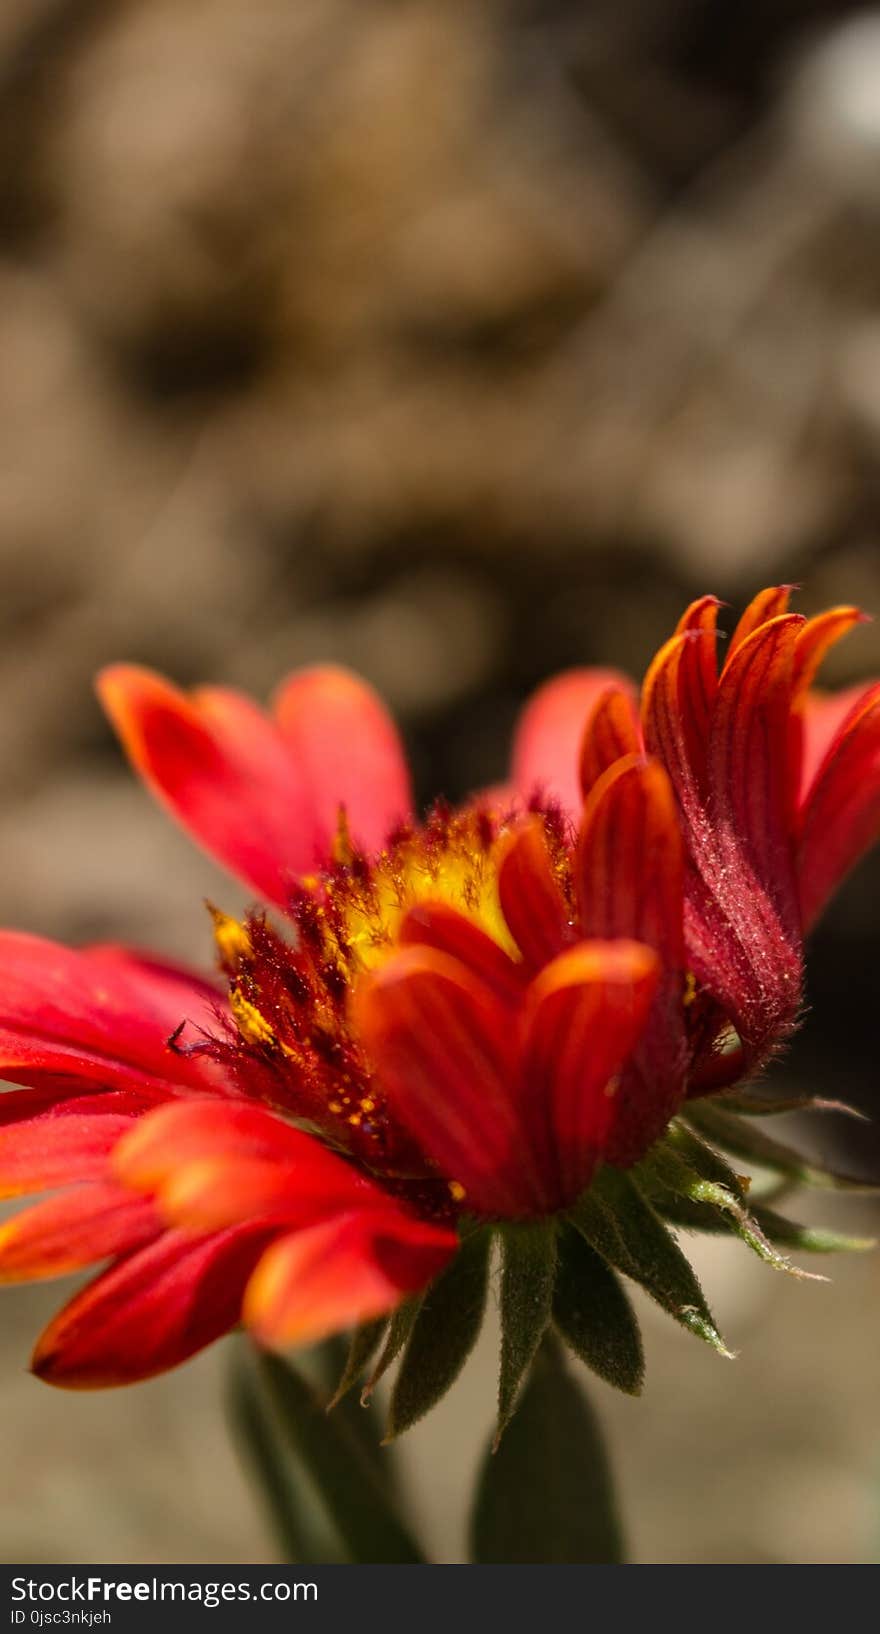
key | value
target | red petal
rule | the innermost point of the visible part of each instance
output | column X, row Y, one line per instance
column 531, row 900
column 223, row 769
column 97, row 1015
column 700, row 661
column 341, row 1273
column 742, row 917
column 348, row 753
column 212, row 1165
column 209, row 1193
column 766, row 605
column 841, row 818
column 547, row 746
column 814, row 641
column 629, row 875
column 613, row 730
column 749, row 765
column 823, row 715
column 629, row 867
column 437, row 925
column 74, row 1229
column 150, row 1311
column 585, row 1014
column 167, row 1140
column 442, row 1047
column 671, row 722
column 46, row 1143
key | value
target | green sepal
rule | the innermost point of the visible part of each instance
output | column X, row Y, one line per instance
column 546, row 1495
column 777, row 1229
column 744, row 1140
column 362, row 1347
column 528, row 1273
column 325, row 1451
column 689, row 1169
column 594, row 1315
column 622, row 1226
column 399, row 1329
column 443, row 1335
column 755, row 1104
column 809, row 1239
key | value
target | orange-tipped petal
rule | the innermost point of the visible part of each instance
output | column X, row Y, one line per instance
column 348, row 753
column 678, row 700
column 223, row 769
column 96, row 1015
column 547, row 745
column 767, row 604
column 339, row 1274
column 816, row 638
column 150, row 1311
column 841, row 818
column 584, row 1015
column 442, row 1048
column 440, row 926
column 74, row 1229
column 49, row 1138
column 531, row 900
column 612, row 730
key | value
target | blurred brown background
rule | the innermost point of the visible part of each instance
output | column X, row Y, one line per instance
column 458, row 342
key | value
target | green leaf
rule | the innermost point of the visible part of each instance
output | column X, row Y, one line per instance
column 546, row 1495
column 622, row 1226
column 329, row 1453
column 443, row 1335
column 743, row 1140
column 363, row 1345
column 594, row 1315
column 294, row 1509
column 694, row 1172
column 528, row 1272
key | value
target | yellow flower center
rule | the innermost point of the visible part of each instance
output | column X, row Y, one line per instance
column 451, row 860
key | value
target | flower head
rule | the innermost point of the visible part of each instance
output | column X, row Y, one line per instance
column 497, row 1018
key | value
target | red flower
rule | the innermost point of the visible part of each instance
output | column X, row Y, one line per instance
column 468, row 1014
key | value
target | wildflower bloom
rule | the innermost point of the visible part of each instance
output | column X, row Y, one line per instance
column 487, row 1018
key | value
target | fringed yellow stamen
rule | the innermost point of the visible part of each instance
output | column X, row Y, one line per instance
column 342, row 850
column 453, row 863
column 232, row 939
column 252, row 1025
